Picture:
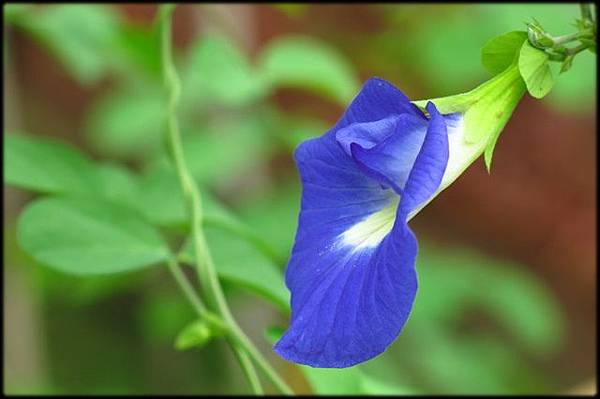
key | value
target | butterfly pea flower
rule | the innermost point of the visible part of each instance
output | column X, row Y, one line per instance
column 352, row 272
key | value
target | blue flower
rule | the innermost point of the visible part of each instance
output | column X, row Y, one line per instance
column 352, row 269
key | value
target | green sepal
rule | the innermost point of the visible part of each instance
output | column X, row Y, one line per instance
column 567, row 64
column 535, row 70
column 538, row 36
column 500, row 52
column 485, row 110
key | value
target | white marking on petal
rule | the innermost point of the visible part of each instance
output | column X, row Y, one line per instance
column 370, row 231
column 459, row 151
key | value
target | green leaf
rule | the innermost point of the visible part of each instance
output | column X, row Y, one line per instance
column 79, row 35
column 239, row 262
column 458, row 287
column 226, row 149
column 294, row 129
column 306, row 63
column 160, row 198
column 117, row 184
column 161, row 312
column 86, row 236
column 45, row 165
column 454, row 280
column 275, row 215
column 13, row 12
column 195, row 334
column 138, row 47
column 500, row 52
column 372, row 386
column 534, row 68
column 334, row 381
column 293, row 10
column 216, row 71
column 127, row 123
column 450, row 56
column 520, row 303
column 567, row 64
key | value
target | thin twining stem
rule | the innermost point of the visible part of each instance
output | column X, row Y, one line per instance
column 209, row 281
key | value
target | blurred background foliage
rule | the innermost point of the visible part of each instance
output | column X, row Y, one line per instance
column 85, row 110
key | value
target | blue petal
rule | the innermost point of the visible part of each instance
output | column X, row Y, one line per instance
column 366, row 134
column 430, row 165
column 351, row 293
column 391, row 160
column 378, row 99
column 352, row 311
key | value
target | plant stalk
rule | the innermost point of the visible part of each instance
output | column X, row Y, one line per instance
column 207, row 275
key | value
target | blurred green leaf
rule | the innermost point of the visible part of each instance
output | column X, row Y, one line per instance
column 85, row 236
column 66, row 288
column 534, row 68
column 128, row 122
column 452, row 59
column 117, row 184
column 226, row 149
column 372, row 386
column 500, row 52
column 275, row 215
column 294, row 129
column 46, row 165
column 216, row 71
column 160, row 198
column 307, row 63
column 162, row 313
column 334, row 381
column 451, row 280
column 137, row 46
column 485, row 311
column 239, row 262
column 15, row 11
column 81, row 36
column 445, row 48
column 195, row 334
column 522, row 304
column 293, row 10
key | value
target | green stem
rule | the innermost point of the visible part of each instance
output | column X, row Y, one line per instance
column 560, row 40
column 586, row 12
column 209, row 281
column 187, row 288
column 575, row 50
column 202, row 312
column 262, row 363
column 248, row 368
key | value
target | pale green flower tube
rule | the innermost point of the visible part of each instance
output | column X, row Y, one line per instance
column 482, row 114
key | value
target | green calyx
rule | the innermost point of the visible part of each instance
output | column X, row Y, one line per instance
column 485, row 111
column 520, row 61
